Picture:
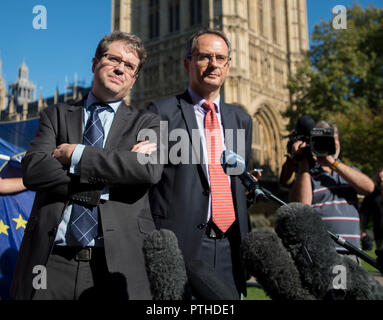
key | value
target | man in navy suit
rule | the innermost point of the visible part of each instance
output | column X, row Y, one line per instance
column 188, row 197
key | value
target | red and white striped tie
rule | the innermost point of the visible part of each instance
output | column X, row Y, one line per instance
column 223, row 214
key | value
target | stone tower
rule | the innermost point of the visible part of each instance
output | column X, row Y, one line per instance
column 22, row 89
column 268, row 38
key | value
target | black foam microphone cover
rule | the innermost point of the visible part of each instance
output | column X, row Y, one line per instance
column 165, row 265
column 304, row 235
column 304, row 125
column 265, row 257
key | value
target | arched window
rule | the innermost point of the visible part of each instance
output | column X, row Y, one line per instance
column 266, row 143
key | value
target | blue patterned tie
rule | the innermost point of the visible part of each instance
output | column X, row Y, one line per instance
column 84, row 220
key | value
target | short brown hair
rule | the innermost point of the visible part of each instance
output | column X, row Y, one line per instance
column 190, row 47
column 131, row 40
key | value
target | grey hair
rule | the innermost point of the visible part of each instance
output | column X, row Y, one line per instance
column 131, row 40
column 190, row 47
column 327, row 124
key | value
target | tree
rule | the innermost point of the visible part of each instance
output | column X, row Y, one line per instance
column 341, row 79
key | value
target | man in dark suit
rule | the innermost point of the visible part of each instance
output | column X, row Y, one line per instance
column 191, row 197
column 91, row 210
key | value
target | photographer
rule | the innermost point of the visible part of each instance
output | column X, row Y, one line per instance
column 331, row 187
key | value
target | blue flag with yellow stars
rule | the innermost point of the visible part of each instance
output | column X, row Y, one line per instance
column 14, row 208
column 14, row 214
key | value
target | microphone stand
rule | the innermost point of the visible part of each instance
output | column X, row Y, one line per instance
column 344, row 243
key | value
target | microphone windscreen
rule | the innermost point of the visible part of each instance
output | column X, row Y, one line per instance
column 165, row 265
column 304, row 235
column 232, row 163
column 264, row 256
column 206, row 284
column 304, row 125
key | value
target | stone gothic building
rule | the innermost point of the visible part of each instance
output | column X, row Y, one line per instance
column 268, row 38
column 22, row 89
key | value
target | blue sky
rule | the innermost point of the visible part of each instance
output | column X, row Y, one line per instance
column 74, row 28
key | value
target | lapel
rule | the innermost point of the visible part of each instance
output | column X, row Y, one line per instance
column 120, row 122
column 74, row 122
column 228, row 121
column 75, row 115
column 186, row 106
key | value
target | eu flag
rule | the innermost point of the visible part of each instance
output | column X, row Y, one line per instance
column 14, row 208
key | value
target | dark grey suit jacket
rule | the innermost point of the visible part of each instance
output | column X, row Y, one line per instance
column 179, row 202
column 125, row 217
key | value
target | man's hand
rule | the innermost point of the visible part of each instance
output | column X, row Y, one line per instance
column 325, row 161
column 297, row 148
column 63, row 153
column 256, row 173
column 144, row 147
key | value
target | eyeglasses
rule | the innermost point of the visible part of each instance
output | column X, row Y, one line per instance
column 206, row 58
column 115, row 61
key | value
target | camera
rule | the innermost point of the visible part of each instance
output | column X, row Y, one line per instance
column 320, row 141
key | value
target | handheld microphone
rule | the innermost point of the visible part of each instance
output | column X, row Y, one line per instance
column 234, row 165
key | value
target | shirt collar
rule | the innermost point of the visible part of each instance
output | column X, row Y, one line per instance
column 198, row 101
column 92, row 100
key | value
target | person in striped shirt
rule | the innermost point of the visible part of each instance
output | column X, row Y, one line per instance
column 331, row 187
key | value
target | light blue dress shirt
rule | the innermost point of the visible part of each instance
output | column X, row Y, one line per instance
column 64, row 236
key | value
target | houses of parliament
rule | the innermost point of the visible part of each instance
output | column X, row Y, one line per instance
column 268, row 38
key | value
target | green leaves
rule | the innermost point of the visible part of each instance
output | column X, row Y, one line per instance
column 341, row 79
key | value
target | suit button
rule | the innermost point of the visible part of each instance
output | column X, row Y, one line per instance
column 201, row 226
column 206, row 192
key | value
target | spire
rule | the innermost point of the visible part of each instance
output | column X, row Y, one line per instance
column 56, row 97
column 40, row 103
column 25, row 110
column 75, row 86
column 11, row 107
column 23, row 71
column 65, row 89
